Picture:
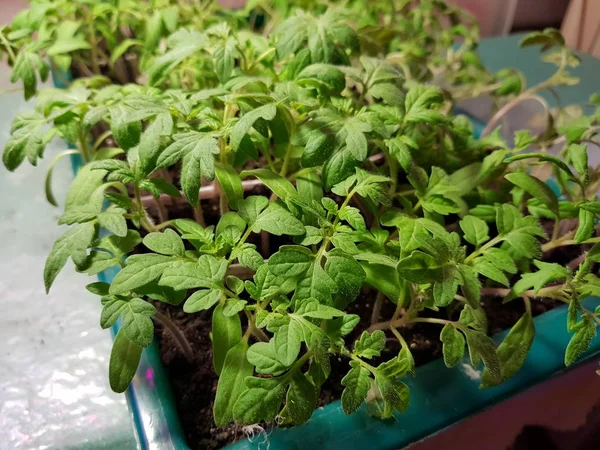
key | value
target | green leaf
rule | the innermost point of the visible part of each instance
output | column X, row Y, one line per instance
column 453, row 345
column 226, row 333
column 113, row 220
column 279, row 185
column 112, row 307
column 394, row 392
column 231, row 383
column 286, row 341
column 24, row 68
column 513, row 350
column 481, row 347
column 471, row 287
column 140, row 270
column 401, row 148
column 73, row 243
column 419, row 267
column 124, row 359
column 201, row 300
column 326, row 78
column 231, row 184
column 225, row 60
column 167, row 242
column 536, row 188
column 290, row 261
column 337, row 168
column 312, row 308
column 489, row 270
column 347, row 274
column 501, row 259
column 387, row 92
column 251, row 207
column 315, row 283
column 547, row 273
column 579, row 158
column 85, row 188
column 475, row 230
column 581, row 340
column 137, row 321
column 242, row 127
column 278, row 221
column 357, row 383
column 353, row 217
column 198, row 162
column 301, row 400
column 370, row 345
column 585, row 229
column 474, row 318
column 261, row 401
column 263, row 357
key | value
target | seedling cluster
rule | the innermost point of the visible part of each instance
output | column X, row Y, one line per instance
column 337, row 163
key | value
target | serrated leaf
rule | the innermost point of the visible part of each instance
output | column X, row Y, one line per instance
column 290, row 261
column 167, row 242
column 489, row 270
column 357, row 383
column 231, row 184
column 263, row 357
column 475, row 230
column 453, row 345
column 580, row 341
column 137, row 321
column 74, row 244
column 585, row 229
column 278, row 221
column 261, row 401
column 201, row 300
column 301, row 400
column 513, row 350
column 287, row 340
column 242, row 127
column 481, row 347
column 140, row 270
column 370, row 345
column 536, row 188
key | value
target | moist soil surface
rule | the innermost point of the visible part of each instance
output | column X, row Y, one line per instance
column 194, row 383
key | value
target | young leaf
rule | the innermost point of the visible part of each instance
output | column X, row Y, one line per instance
column 124, row 359
column 167, row 242
column 585, row 229
column 261, row 401
column 201, row 300
column 453, row 345
column 137, row 321
column 475, row 230
column 581, row 340
column 263, row 357
column 290, row 261
column 357, row 383
column 278, row 221
column 481, row 347
column 579, row 158
column 73, row 243
column 370, row 345
column 226, row 333
column 241, row 128
column 513, row 350
column 287, row 340
column 231, row 383
column 300, row 401
column 231, row 184
column 140, row 270
column 536, row 188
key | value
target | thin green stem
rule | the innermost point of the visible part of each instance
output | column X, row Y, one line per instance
column 483, row 248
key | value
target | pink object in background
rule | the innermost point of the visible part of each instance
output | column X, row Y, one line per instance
column 495, row 16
